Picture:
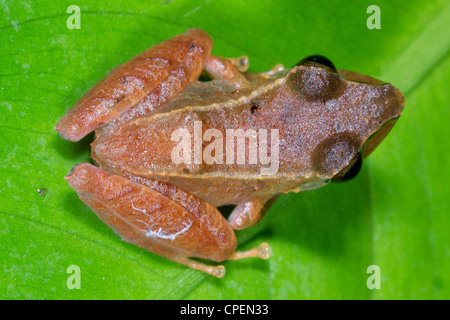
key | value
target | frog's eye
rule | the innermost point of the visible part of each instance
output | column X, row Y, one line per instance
column 317, row 59
column 350, row 171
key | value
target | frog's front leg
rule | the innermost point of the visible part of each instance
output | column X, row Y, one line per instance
column 148, row 216
column 228, row 70
column 249, row 212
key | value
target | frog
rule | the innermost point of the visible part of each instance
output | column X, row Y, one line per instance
column 318, row 123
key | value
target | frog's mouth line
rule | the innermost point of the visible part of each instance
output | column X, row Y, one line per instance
column 360, row 78
column 375, row 139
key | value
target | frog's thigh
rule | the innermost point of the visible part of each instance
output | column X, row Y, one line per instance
column 249, row 213
column 132, row 81
column 148, row 219
column 227, row 70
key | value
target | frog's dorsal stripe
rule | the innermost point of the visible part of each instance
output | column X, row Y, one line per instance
column 222, row 174
column 272, row 83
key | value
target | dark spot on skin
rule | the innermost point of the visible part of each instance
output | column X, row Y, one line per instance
column 254, row 108
column 333, row 153
column 191, row 46
column 124, row 80
column 316, row 84
column 120, row 98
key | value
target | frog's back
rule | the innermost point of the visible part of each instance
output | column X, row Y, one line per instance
column 144, row 146
column 194, row 141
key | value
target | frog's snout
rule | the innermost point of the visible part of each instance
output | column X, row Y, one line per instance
column 394, row 106
column 400, row 99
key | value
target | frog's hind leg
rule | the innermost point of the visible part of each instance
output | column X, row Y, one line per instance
column 182, row 77
column 156, row 74
column 179, row 79
column 262, row 251
column 216, row 271
column 164, row 220
column 158, row 217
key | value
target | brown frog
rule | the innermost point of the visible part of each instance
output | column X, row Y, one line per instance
column 171, row 148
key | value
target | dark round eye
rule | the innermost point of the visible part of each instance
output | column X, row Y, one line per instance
column 318, row 59
column 350, row 171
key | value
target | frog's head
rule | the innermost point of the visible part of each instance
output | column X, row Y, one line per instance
column 349, row 115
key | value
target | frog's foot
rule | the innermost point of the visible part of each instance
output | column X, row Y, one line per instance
column 249, row 213
column 227, row 70
column 216, row 271
column 262, row 251
column 241, row 63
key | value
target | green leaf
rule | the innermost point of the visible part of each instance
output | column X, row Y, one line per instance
column 395, row 214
